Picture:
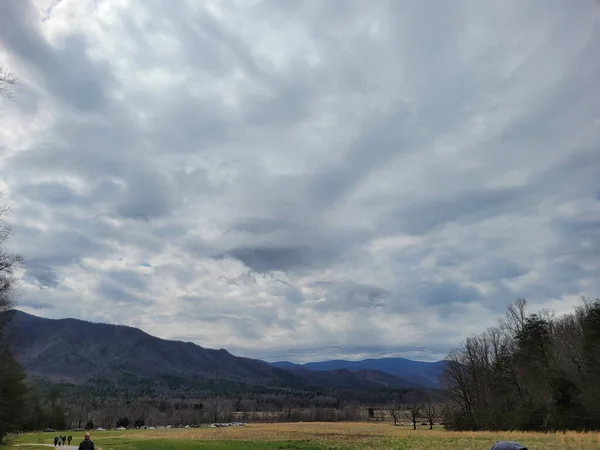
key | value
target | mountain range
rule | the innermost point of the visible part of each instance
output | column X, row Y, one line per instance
column 74, row 351
column 425, row 374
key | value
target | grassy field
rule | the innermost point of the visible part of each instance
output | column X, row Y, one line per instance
column 317, row 436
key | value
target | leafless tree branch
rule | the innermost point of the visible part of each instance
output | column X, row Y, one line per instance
column 6, row 80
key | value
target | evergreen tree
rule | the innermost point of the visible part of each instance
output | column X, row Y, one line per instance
column 13, row 391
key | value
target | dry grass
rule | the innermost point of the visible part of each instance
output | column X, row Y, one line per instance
column 339, row 435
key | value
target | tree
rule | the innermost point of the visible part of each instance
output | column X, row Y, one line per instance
column 534, row 372
column 395, row 413
column 6, row 79
column 36, row 414
column 13, row 392
column 430, row 412
column 413, row 412
column 371, row 412
column 122, row 422
column 590, row 346
column 9, row 262
column 13, row 389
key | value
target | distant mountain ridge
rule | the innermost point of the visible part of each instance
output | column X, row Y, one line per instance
column 422, row 373
column 75, row 351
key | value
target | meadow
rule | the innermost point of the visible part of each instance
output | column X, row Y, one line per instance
column 317, row 436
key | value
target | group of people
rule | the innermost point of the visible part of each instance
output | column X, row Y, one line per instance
column 86, row 444
column 60, row 440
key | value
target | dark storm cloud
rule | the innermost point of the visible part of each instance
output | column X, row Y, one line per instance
column 266, row 259
column 339, row 178
column 42, row 275
column 264, row 244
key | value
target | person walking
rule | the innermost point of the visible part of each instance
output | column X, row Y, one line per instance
column 56, row 440
column 69, row 439
column 87, row 443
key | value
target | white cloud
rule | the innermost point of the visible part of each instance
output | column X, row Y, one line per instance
column 299, row 180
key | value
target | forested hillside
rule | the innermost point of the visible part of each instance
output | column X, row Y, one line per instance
column 81, row 371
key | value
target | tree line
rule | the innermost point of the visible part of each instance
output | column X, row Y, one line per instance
column 51, row 407
column 13, row 387
column 531, row 372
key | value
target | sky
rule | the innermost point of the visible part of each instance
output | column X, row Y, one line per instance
column 300, row 180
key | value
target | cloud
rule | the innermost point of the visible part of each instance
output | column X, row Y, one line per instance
column 40, row 274
column 302, row 181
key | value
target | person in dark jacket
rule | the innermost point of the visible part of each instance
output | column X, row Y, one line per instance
column 69, row 439
column 507, row 445
column 87, row 443
column 55, row 440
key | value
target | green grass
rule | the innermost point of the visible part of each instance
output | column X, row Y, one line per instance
column 317, row 436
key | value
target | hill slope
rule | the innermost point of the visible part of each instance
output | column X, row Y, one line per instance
column 75, row 351
column 418, row 372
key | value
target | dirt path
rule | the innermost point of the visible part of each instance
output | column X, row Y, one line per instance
column 66, row 447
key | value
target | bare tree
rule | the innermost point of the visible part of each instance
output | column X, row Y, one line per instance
column 430, row 412
column 214, row 409
column 515, row 316
column 9, row 262
column 413, row 412
column 6, row 80
column 12, row 375
column 110, row 411
column 395, row 411
column 455, row 379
